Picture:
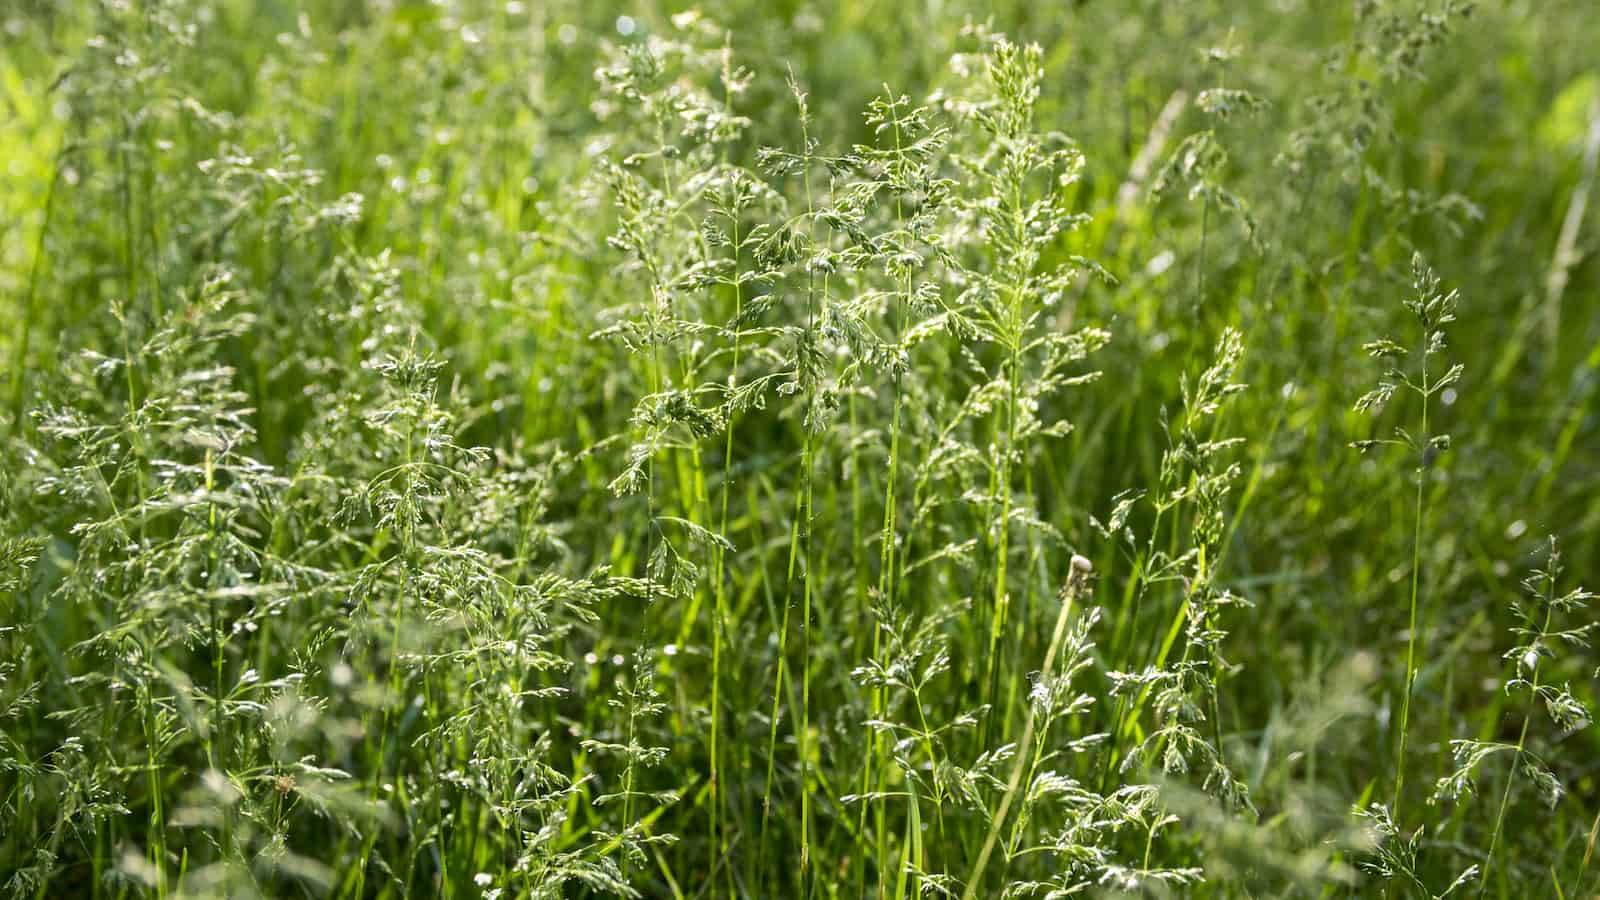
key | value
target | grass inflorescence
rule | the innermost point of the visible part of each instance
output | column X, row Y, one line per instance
column 539, row 449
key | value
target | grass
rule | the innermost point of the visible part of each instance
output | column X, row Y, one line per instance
column 547, row 449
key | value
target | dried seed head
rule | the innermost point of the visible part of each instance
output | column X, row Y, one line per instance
column 1078, row 578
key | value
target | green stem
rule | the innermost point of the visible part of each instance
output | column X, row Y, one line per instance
column 799, row 534
column 1416, row 572
column 1522, row 742
column 719, row 573
column 30, row 306
column 1076, row 583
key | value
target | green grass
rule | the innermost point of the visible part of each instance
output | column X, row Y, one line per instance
column 543, row 449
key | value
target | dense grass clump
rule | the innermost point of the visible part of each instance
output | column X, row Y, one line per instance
column 553, row 449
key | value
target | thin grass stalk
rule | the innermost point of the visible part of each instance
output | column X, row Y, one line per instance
column 799, row 533
column 1522, row 742
column 719, row 561
column 1077, row 582
column 1416, row 573
column 1588, row 854
column 30, row 304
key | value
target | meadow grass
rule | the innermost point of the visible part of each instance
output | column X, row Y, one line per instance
column 542, row 449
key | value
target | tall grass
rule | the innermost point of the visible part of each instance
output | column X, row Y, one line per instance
column 546, row 449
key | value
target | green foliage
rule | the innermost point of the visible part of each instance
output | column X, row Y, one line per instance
column 543, row 449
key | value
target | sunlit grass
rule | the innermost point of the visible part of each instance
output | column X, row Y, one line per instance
column 527, row 449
